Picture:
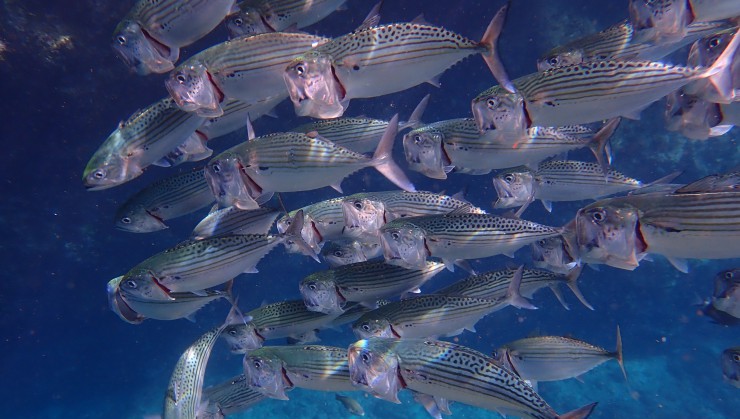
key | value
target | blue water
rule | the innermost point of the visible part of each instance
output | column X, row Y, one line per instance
column 65, row 355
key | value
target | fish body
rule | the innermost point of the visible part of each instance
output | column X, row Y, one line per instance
column 247, row 68
column 231, row 396
column 322, row 81
column 232, row 220
column 235, row 116
column 274, row 369
column 352, row 406
column 731, row 366
column 382, row 367
column 409, row 241
column 150, row 36
column 147, row 136
column 262, row 16
column 364, row 282
column 345, row 252
column 183, row 396
column 163, row 200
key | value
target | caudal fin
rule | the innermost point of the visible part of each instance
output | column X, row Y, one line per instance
column 490, row 55
column 383, row 159
column 720, row 73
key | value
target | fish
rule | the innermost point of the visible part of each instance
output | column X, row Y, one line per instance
column 285, row 319
column 231, row 396
column 322, row 81
column 352, row 406
column 383, row 366
column 365, row 213
column 554, row 254
column 235, row 116
column 666, row 21
column 706, row 51
column 434, row 315
column 699, row 119
column 262, row 16
column 360, row 134
column 272, row 370
column 247, row 68
column 410, row 241
column 171, row 197
column 183, row 396
column 494, row 285
column 322, row 221
column 452, row 145
column 555, row 358
column 118, row 306
column 232, row 220
column 143, row 139
column 724, row 306
column 290, row 162
column 590, row 92
column 363, row 282
column 345, row 252
column 731, row 366
column 560, row 180
column 616, row 43
column 149, row 38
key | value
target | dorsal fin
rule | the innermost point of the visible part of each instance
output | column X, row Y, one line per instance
column 372, row 19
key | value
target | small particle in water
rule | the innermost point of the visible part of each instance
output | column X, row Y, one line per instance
column 3, row 49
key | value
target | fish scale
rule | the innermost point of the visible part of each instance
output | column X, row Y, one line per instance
column 232, row 220
column 313, row 367
column 278, row 15
column 357, row 134
column 287, row 317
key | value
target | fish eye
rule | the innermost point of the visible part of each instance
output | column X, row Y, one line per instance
column 541, row 242
column 257, row 364
column 509, row 178
column 300, row 69
column 395, row 235
column 417, row 139
column 599, row 215
column 492, row 103
column 126, row 220
column 365, row 357
column 131, row 284
column 180, row 78
column 365, row 327
column 714, row 42
column 99, row 174
column 216, row 168
column 312, row 287
column 232, row 332
column 338, row 253
column 729, row 275
column 121, row 40
column 553, row 61
column 238, row 21
column 736, row 357
column 358, row 205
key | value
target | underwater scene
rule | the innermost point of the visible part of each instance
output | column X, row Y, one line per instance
column 394, row 209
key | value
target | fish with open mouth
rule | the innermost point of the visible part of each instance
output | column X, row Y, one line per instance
column 261, row 16
column 724, row 306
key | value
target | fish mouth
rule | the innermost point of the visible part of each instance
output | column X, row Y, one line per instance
column 161, row 48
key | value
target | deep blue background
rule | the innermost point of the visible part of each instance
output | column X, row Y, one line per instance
column 64, row 354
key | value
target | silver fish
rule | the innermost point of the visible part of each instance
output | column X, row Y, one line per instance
column 731, row 366
column 666, row 21
column 706, row 51
column 345, row 252
column 322, row 81
column 322, row 221
column 150, row 36
column 231, row 396
column 272, row 370
column 262, row 16
column 409, row 241
column 232, row 220
column 554, row 254
column 554, row 358
column 183, row 396
column 289, row 162
column 364, row 282
column 235, row 116
column 143, row 139
column 590, row 92
column 699, row 119
column 724, row 306
column 247, row 68
column 382, row 367
column 352, row 406
column 168, row 198
column 118, row 306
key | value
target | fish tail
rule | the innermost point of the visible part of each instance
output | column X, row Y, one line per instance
column 720, row 73
column 599, row 144
column 619, row 356
column 383, row 159
column 573, row 285
column 490, row 55
column 580, row 413
column 293, row 235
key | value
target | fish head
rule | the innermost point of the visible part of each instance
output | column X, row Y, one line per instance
column 230, row 183
column 309, row 233
column 342, row 253
column 404, row 245
column 731, row 366
column 313, row 86
column 119, row 306
column 609, row 233
column 693, row 116
column 501, row 110
column 514, row 187
column 193, row 90
column 266, row 374
column 139, row 51
column 109, row 166
column 138, row 219
column 552, row 254
column 363, row 215
column 242, row 337
column 560, row 59
column 320, row 294
column 705, row 51
column 373, row 327
column 143, row 285
column 374, row 370
column 727, row 284
column 425, row 153
column 246, row 22
column 659, row 21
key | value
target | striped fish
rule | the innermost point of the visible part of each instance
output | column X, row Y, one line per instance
column 456, row 144
column 358, row 134
column 590, row 92
column 285, row 319
column 236, row 114
column 366, row 213
column 494, row 285
column 345, row 252
column 409, row 241
column 248, row 68
column 183, row 397
column 667, row 21
column 272, row 370
column 703, row 53
column 555, row 358
column 147, row 136
column 229, row 397
column 150, row 36
column 168, row 198
column 232, row 220
column 433, row 315
column 262, row 16
column 322, row 81
column 731, row 366
column 364, row 282
column 322, row 221
column 382, row 367
column 290, row 162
